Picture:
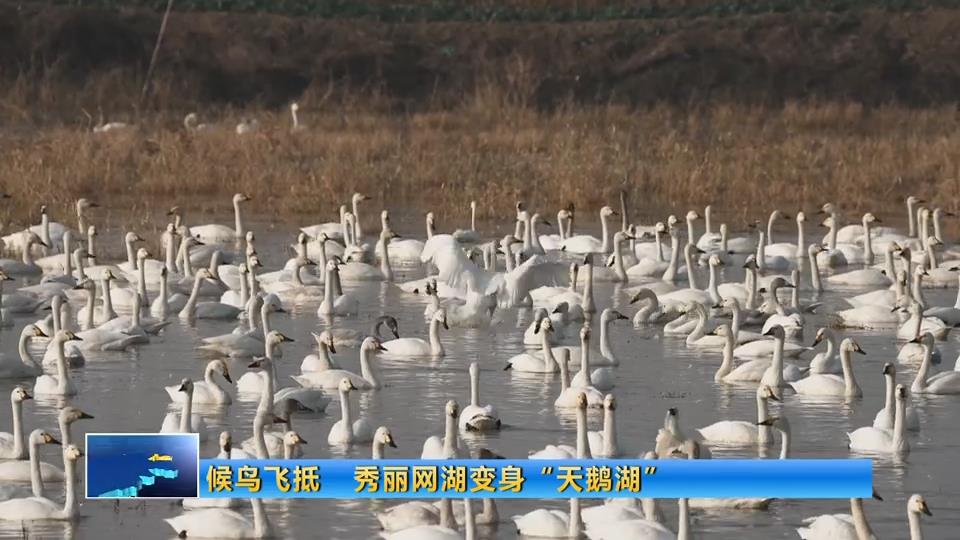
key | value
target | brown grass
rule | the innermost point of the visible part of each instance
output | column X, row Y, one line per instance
column 743, row 159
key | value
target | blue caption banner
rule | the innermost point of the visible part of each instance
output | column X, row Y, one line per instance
column 536, row 479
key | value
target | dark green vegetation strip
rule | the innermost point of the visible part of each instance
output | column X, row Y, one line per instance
column 440, row 10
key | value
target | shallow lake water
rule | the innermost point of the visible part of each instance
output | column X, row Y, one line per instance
column 125, row 393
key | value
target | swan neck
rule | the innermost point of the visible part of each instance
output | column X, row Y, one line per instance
column 712, row 285
column 131, row 256
column 377, row 449
column 690, row 231
column 610, row 433
column 346, row 413
column 801, row 239
column 70, row 508
column 605, row 231
column 576, row 520
column 683, row 528
column 764, row 433
column 171, row 252
column 25, row 355
column 385, row 267
column 18, row 443
column 659, row 246
column 36, row 479
column 726, row 366
column 833, row 232
column 475, row 388
column 261, row 525
column 63, row 375
column 450, row 437
column 899, row 425
column 564, row 376
column 867, row 243
column 618, row 263
column 89, row 323
column 436, row 347
column 605, row 349
column 916, row 533
column 367, row 371
column 585, row 359
column 785, row 444
column 583, row 443
column 671, row 273
column 860, row 520
column 260, row 443
column 587, row 296
column 691, row 274
column 189, row 309
column 850, row 381
column 920, row 381
column 770, row 221
column 186, row 412
column 911, row 223
column 238, row 221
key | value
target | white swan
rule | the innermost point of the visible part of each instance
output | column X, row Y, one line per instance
column 249, row 342
column 447, row 446
column 347, row 430
column 471, row 235
column 946, row 382
column 871, row 439
column 583, row 244
column 253, row 382
column 601, row 378
column 34, row 470
column 563, row 451
column 698, row 337
column 367, row 379
column 741, row 432
column 477, row 417
column 41, row 508
column 917, row 323
column 222, row 523
column 61, row 384
column 26, row 265
column 222, row 234
column 569, row 396
column 603, row 444
column 886, row 416
column 206, row 310
column 826, row 361
column 418, row 347
column 543, row 523
column 916, row 505
column 335, row 302
column 827, row 384
column 12, row 444
column 207, row 391
column 852, row 526
column 23, row 365
column 185, row 421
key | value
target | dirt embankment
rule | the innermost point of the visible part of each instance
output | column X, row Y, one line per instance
column 217, row 58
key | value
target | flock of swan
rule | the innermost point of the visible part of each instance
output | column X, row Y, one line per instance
column 752, row 328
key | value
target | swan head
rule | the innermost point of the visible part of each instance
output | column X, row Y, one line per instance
column 716, row 261
column 890, row 369
column 440, row 316
column 822, row 334
column 620, row 237
column 83, row 204
column 39, row 436
column 292, row 438
column 827, row 208
column 69, row 415
column 72, row 452
column 692, row 215
column 751, row 262
column 294, row 107
column 828, row 223
column 240, row 197
column 142, row 254
column 643, row 293
column 900, row 392
column 325, row 338
column 610, row 314
column 186, row 385
column 358, row 197
column 870, row 218
column 894, row 248
column 226, row 441
column 582, row 401
column 474, row 368
column 66, row 335
column 34, row 331
column 776, row 331
column 372, row 344
column 132, row 237
column 220, row 366
column 609, row 402
column 87, row 285
column 452, row 409
column 546, row 325
column 660, row 228
column 606, row 211
column 911, row 200
column 20, row 394
column 925, row 339
column 933, row 241
column 383, row 436
column 585, row 333
column 801, row 217
column 276, row 337
column 779, row 283
column 918, row 505
column 254, row 262
column 205, row 273
column 850, row 345
column 723, row 330
column 766, row 392
column 779, row 423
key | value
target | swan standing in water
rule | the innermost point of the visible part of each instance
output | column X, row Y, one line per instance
column 852, row 526
column 221, row 234
column 208, row 391
column 348, row 431
column 445, row 447
column 12, row 444
column 41, row 508
column 23, row 365
column 886, row 416
column 34, row 471
column 61, row 384
column 368, row 379
column 821, row 384
column 476, row 417
column 740, row 432
column 603, row 444
column 871, row 439
column 946, row 382
column 417, row 347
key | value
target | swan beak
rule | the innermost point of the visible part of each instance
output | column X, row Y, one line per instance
column 301, row 440
column 876, row 495
column 28, row 395
column 877, row 220
column 390, row 442
column 765, row 422
column 74, row 337
column 635, row 298
column 622, row 317
column 915, row 340
column 380, row 347
column 331, row 347
column 255, row 364
column 769, row 332
column 859, row 350
column 278, row 420
column 183, row 388
column 54, row 441
column 86, row 416
column 547, row 223
column 775, row 397
column 925, row 509
column 445, row 326
column 226, row 375
column 396, row 334
column 817, row 340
